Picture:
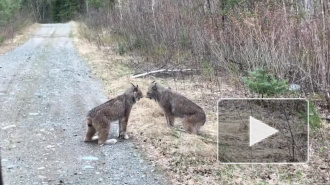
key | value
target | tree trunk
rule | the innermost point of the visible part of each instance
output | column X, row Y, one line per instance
column 87, row 11
column 324, row 48
column 153, row 14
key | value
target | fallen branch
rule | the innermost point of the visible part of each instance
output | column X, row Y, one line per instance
column 325, row 118
column 162, row 71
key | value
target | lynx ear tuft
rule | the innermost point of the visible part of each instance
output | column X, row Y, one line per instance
column 133, row 85
column 154, row 87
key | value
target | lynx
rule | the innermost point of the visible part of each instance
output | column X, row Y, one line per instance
column 176, row 105
column 99, row 118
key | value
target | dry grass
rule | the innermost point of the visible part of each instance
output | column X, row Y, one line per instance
column 190, row 159
column 21, row 37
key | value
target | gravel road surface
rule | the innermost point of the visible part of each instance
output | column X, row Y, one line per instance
column 46, row 90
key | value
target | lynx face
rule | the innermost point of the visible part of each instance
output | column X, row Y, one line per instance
column 137, row 93
column 152, row 92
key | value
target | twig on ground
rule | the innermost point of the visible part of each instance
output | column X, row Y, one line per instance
column 162, row 71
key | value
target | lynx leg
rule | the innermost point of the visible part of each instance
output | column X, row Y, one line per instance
column 103, row 129
column 122, row 133
column 119, row 128
column 103, row 136
column 170, row 120
column 190, row 126
column 90, row 131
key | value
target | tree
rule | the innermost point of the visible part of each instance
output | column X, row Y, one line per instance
column 62, row 11
column 265, row 84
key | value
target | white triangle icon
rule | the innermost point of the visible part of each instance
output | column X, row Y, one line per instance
column 259, row 131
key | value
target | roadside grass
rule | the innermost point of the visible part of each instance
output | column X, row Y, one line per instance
column 190, row 159
column 19, row 38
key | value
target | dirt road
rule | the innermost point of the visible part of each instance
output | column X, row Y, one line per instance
column 45, row 91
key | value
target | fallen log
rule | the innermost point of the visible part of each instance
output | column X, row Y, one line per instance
column 325, row 118
column 162, row 71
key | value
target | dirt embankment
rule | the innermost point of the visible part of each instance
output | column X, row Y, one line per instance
column 189, row 159
column 19, row 38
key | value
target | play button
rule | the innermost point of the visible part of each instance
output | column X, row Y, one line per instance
column 262, row 130
column 259, row 131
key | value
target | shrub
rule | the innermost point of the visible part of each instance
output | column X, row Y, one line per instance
column 259, row 81
column 314, row 117
column 122, row 49
column 207, row 70
column 2, row 39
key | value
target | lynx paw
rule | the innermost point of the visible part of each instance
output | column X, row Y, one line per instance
column 94, row 138
column 111, row 141
column 118, row 133
column 123, row 136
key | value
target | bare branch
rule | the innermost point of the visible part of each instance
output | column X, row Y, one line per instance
column 162, row 71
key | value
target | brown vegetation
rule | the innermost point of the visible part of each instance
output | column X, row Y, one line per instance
column 13, row 18
column 191, row 159
column 288, row 38
column 18, row 38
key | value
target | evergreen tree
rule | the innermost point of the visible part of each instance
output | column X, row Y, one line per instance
column 62, row 11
